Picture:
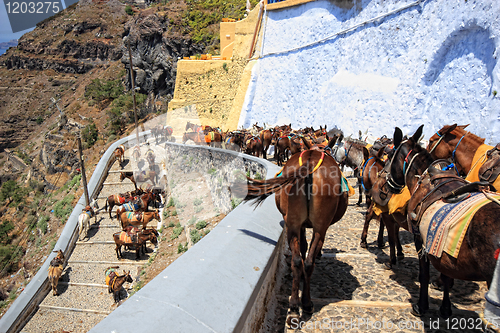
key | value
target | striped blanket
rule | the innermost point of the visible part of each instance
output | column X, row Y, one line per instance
column 130, row 207
column 443, row 226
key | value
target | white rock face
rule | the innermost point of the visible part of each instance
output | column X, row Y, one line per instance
column 434, row 63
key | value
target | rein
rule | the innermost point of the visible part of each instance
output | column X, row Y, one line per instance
column 441, row 137
column 363, row 173
column 453, row 153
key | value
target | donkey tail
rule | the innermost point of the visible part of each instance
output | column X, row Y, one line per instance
column 260, row 190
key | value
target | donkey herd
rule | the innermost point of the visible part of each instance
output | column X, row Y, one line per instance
column 444, row 193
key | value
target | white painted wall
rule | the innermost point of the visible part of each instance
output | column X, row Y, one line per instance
column 435, row 63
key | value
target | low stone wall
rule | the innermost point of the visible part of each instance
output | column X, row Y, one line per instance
column 220, row 168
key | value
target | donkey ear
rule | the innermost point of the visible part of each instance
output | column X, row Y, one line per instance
column 451, row 128
column 380, row 153
column 416, row 136
column 398, row 136
column 366, row 153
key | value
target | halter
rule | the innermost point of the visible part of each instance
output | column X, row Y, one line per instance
column 395, row 187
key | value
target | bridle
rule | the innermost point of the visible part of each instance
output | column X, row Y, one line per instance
column 441, row 137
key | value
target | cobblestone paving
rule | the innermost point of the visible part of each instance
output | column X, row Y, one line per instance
column 353, row 292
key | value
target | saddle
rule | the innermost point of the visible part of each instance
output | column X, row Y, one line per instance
column 435, row 181
column 56, row 262
column 138, row 216
column 490, row 174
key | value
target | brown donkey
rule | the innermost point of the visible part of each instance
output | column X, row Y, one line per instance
column 309, row 195
column 115, row 281
column 55, row 271
column 470, row 258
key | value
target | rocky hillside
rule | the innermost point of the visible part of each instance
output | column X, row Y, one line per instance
column 80, row 58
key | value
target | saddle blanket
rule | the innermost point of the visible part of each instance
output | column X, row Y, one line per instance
column 444, row 225
column 127, row 238
column 133, row 215
column 397, row 203
column 130, row 207
column 119, row 199
column 209, row 137
column 478, row 160
column 110, row 274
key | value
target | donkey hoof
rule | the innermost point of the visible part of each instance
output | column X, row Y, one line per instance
column 381, row 245
column 363, row 244
column 400, row 256
column 293, row 320
column 308, row 309
column 417, row 311
column 445, row 313
column 359, row 204
column 387, row 265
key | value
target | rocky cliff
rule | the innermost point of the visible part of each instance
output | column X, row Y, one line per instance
column 155, row 50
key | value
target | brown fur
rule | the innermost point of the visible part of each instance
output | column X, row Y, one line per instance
column 117, row 282
column 475, row 261
column 142, row 237
column 465, row 150
column 325, row 206
column 120, row 153
column 146, row 218
column 55, row 271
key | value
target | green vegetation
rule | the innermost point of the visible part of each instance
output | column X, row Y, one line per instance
column 201, row 224
column 102, row 91
column 89, row 135
column 63, row 208
column 176, row 232
column 192, row 220
column 128, row 10
column 182, row 248
column 202, row 19
column 195, row 236
column 13, row 193
column 39, row 120
column 235, row 202
column 224, row 66
column 197, row 201
column 5, row 228
column 42, row 223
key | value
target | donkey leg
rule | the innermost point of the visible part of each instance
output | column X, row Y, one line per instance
column 297, row 269
column 368, row 217
column 400, row 254
column 303, row 243
column 316, row 245
column 422, row 306
column 445, row 309
column 392, row 235
column 380, row 238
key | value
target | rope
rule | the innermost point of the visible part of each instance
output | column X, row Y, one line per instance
column 342, row 31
